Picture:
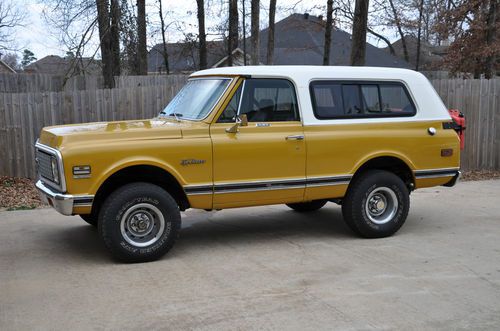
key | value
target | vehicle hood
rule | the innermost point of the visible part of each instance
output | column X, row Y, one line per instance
column 100, row 132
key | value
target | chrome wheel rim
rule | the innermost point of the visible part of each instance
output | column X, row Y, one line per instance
column 381, row 205
column 142, row 225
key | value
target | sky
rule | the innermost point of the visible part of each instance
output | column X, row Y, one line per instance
column 43, row 39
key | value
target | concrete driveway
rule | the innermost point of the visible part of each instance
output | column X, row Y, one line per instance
column 264, row 268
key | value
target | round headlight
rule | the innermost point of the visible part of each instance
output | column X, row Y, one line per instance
column 55, row 170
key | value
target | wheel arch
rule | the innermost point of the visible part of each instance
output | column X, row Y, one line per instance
column 149, row 173
column 394, row 163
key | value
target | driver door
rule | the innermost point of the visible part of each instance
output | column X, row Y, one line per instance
column 263, row 162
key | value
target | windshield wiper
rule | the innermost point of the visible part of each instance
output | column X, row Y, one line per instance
column 176, row 115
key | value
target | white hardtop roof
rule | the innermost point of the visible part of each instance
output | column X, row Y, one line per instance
column 303, row 73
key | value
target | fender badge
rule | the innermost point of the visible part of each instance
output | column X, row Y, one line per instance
column 191, row 161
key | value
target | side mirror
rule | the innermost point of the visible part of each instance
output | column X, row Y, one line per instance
column 240, row 121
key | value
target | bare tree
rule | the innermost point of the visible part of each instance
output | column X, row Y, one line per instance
column 398, row 23
column 419, row 33
column 11, row 59
column 202, row 36
column 328, row 32
column 255, row 32
column 491, row 36
column 347, row 13
column 244, row 28
column 360, row 22
column 142, row 52
column 11, row 17
column 232, row 39
column 105, row 42
column 164, row 40
column 115, row 36
column 270, row 31
column 75, row 24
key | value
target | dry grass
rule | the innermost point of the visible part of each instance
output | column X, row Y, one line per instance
column 480, row 175
column 18, row 193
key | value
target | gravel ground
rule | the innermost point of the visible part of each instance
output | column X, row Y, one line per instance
column 20, row 193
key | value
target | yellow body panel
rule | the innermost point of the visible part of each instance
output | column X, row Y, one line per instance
column 271, row 168
column 257, row 154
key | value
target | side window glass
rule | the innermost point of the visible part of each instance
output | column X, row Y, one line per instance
column 364, row 99
column 395, row 100
column 371, row 100
column 269, row 100
column 352, row 104
column 328, row 100
column 229, row 114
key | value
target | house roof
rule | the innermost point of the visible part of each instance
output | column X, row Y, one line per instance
column 62, row 66
column 431, row 57
column 299, row 39
column 6, row 68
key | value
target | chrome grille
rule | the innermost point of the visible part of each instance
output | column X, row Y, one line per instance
column 44, row 165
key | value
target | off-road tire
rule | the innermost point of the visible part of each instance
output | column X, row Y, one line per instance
column 90, row 219
column 303, row 207
column 113, row 217
column 356, row 210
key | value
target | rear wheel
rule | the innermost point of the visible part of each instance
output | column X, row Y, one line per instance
column 376, row 205
column 307, row 206
column 139, row 222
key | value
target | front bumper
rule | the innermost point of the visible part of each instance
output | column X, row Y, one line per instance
column 63, row 203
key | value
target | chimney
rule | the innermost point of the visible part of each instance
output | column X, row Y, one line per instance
column 306, row 16
column 320, row 17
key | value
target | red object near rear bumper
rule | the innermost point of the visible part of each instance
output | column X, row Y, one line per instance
column 459, row 119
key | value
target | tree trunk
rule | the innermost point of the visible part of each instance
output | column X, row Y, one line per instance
column 359, row 27
column 270, row 32
column 491, row 22
column 232, row 39
column 105, row 42
column 328, row 32
column 115, row 36
column 163, row 29
column 202, row 34
column 244, row 33
column 142, row 52
column 400, row 30
column 255, row 32
column 419, row 34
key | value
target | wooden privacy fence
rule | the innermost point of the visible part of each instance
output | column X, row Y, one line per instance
column 22, row 115
column 479, row 100
column 25, row 83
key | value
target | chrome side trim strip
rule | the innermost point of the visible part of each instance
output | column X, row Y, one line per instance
column 277, row 184
column 435, row 173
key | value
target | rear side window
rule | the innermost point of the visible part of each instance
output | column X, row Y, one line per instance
column 336, row 99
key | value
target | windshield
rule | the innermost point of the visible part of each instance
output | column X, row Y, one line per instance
column 196, row 99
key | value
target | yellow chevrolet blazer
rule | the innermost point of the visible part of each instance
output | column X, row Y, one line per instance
column 302, row 136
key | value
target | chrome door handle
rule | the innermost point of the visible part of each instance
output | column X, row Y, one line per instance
column 295, row 137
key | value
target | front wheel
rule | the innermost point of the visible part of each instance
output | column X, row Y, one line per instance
column 90, row 219
column 139, row 222
column 376, row 205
